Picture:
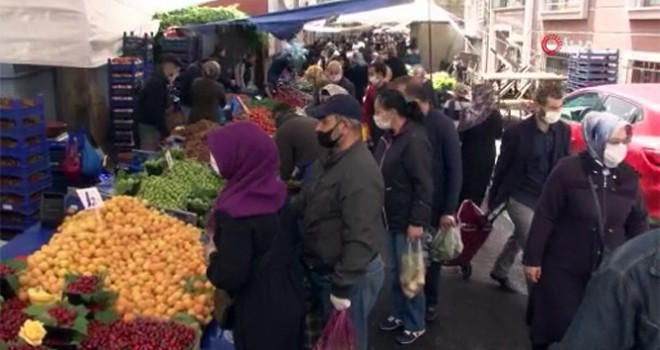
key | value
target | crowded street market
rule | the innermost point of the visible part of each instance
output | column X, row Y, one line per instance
column 343, row 175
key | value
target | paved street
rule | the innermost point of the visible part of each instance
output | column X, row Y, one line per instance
column 475, row 314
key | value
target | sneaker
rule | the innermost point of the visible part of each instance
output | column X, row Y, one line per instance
column 504, row 282
column 408, row 337
column 431, row 314
column 391, row 324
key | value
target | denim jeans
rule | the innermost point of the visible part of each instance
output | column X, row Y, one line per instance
column 411, row 311
column 363, row 297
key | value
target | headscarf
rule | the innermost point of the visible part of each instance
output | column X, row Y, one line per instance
column 483, row 103
column 247, row 158
column 597, row 129
column 334, row 89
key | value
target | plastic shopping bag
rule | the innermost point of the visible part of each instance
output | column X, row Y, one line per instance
column 338, row 334
column 413, row 269
column 92, row 160
column 447, row 244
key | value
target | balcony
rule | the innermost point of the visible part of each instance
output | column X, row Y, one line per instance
column 553, row 10
column 644, row 9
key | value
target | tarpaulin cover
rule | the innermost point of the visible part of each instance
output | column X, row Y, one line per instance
column 74, row 33
column 285, row 25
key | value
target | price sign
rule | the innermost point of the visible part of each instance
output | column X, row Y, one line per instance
column 169, row 160
column 90, row 197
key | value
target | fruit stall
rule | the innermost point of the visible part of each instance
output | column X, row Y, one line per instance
column 114, row 276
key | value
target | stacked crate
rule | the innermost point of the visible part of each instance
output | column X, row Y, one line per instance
column 589, row 68
column 24, row 162
column 140, row 46
column 186, row 49
column 125, row 76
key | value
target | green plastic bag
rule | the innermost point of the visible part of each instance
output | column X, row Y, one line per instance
column 447, row 245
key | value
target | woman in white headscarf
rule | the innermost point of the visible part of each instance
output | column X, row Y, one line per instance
column 591, row 204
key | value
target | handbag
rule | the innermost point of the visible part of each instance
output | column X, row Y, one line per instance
column 224, row 306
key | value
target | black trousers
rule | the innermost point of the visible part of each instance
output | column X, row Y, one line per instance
column 432, row 285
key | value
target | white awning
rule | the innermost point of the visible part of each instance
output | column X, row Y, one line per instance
column 73, row 33
column 418, row 11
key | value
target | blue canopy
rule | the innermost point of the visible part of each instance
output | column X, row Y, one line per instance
column 285, row 25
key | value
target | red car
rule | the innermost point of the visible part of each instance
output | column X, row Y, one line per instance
column 640, row 105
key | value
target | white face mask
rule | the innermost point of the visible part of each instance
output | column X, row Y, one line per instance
column 214, row 165
column 552, row 117
column 335, row 78
column 382, row 124
column 614, row 154
column 374, row 80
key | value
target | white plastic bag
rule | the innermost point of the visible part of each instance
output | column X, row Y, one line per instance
column 448, row 244
column 413, row 269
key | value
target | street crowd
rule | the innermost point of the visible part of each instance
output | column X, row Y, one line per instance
column 384, row 164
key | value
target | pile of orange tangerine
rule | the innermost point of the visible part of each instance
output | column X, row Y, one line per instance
column 154, row 262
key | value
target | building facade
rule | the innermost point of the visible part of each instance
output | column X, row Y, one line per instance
column 514, row 29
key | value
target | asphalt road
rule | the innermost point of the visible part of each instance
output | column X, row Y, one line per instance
column 474, row 314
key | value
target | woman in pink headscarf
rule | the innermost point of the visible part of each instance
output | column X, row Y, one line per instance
column 254, row 262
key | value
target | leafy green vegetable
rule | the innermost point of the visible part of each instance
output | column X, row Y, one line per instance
column 198, row 15
column 443, row 81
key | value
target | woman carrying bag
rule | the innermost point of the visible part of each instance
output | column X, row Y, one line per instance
column 404, row 155
column 251, row 255
column 591, row 204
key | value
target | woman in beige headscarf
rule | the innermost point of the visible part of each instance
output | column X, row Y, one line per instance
column 208, row 95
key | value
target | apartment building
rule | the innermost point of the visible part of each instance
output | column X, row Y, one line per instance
column 515, row 29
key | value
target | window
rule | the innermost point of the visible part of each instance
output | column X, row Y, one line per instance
column 510, row 3
column 645, row 72
column 645, row 3
column 563, row 5
column 574, row 106
column 622, row 108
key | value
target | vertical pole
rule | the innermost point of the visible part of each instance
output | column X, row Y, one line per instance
column 430, row 40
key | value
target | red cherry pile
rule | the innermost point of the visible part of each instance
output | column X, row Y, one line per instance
column 83, row 285
column 12, row 318
column 6, row 270
column 142, row 334
column 62, row 315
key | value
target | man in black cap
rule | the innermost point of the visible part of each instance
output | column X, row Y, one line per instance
column 342, row 222
column 153, row 102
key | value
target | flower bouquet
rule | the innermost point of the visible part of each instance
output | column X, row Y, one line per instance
column 89, row 291
column 9, row 282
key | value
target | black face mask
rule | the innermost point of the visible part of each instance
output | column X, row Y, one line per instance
column 325, row 138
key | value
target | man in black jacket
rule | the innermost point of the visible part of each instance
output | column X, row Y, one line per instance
column 419, row 74
column 529, row 151
column 342, row 218
column 447, row 181
column 153, row 102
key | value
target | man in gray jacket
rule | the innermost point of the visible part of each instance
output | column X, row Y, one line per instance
column 342, row 216
column 296, row 141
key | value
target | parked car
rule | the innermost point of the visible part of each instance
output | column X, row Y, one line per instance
column 640, row 105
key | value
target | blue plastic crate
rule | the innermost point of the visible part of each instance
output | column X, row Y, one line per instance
column 126, row 67
column 24, row 131
column 24, row 186
column 122, row 90
column 25, row 170
column 19, row 147
column 23, row 204
column 123, row 125
column 16, row 221
column 16, row 108
column 173, row 45
column 120, row 102
column 125, row 79
column 121, row 114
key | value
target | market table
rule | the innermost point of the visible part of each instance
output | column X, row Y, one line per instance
column 36, row 236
